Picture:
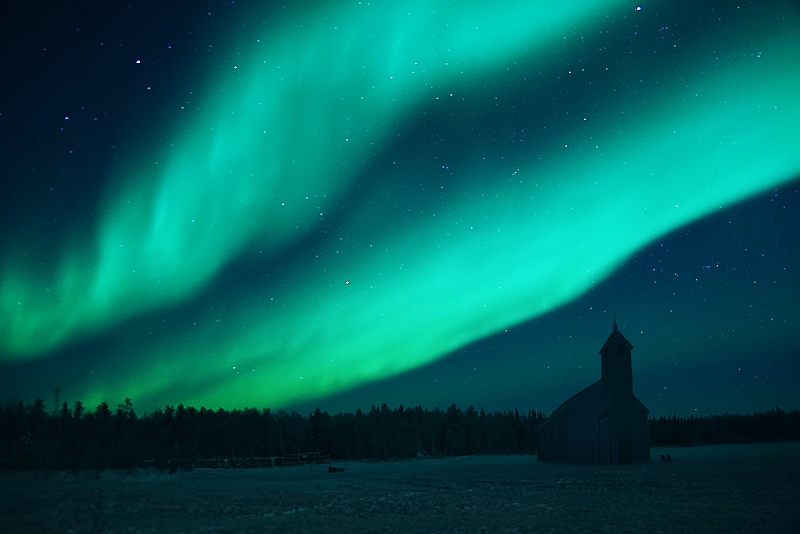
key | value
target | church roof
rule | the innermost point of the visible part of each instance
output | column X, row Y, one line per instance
column 617, row 338
column 584, row 392
column 637, row 404
column 563, row 405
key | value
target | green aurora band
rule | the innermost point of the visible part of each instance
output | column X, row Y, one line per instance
column 283, row 137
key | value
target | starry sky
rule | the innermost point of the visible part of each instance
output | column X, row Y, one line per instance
column 341, row 204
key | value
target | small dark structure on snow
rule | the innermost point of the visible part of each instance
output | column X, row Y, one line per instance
column 603, row 424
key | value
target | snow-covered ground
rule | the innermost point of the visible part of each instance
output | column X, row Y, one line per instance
column 732, row 488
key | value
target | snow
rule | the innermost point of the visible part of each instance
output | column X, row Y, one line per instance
column 731, row 488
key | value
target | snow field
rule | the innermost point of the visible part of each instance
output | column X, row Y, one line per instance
column 731, row 488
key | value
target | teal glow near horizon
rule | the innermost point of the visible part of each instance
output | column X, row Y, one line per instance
column 281, row 143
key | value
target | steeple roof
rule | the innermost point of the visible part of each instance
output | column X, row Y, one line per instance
column 617, row 338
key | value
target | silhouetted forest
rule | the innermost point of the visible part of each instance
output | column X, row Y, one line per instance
column 31, row 437
column 769, row 426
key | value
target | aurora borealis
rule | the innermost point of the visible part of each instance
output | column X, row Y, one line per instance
column 272, row 206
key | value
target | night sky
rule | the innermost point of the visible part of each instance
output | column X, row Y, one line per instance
column 231, row 204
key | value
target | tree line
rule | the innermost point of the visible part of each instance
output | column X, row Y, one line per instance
column 31, row 437
column 773, row 425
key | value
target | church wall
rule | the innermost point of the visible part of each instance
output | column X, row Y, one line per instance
column 559, row 439
column 628, row 421
column 553, row 438
column 546, row 446
column 582, row 428
column 642, row 439
column 604, row 441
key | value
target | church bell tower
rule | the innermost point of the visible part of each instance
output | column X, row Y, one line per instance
column 615, row 363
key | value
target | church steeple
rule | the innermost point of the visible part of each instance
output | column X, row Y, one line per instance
column 615, row 362
column 617, row 338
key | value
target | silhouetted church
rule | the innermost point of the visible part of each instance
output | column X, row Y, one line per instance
column 603, row 424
